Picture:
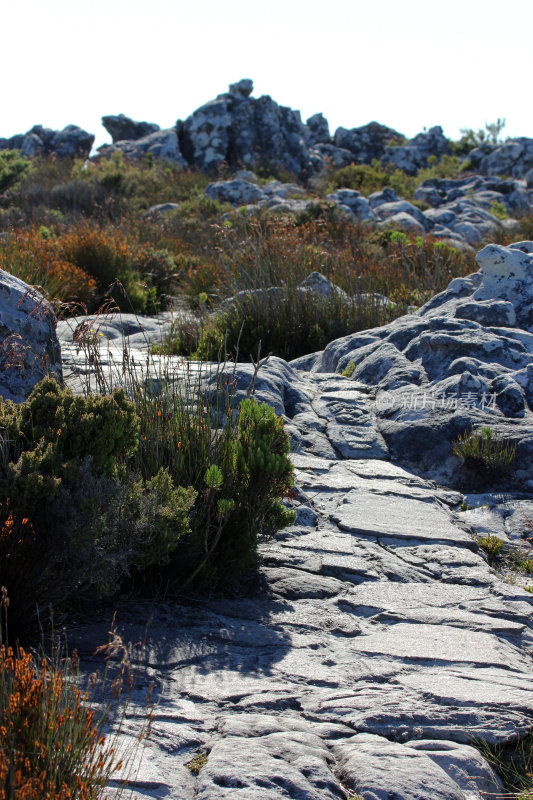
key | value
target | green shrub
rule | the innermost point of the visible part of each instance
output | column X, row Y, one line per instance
column 484, row 453
column 492, row 545
column 68, row 500
column 499, row 210
column 286, row 322
column 13, row 167
column 236, row 460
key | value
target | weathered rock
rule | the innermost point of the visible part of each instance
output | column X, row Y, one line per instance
column 367, row 142
column 464, row 359
column 121, row 127
column 514, row 157
column 376, row 612
column 318, row 130
column 242, row 131
column 160, row 144
column 237, row 192
column 29, row 348
column 385, row 212
column 353, row 202
column 415, row 154
column 71, row 142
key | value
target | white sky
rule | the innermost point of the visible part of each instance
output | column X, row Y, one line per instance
column 404, row 63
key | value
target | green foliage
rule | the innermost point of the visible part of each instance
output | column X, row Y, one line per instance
column 349, row 370
column 470, row 139
column 68, row 499
column 197, row 763
column 499, row 210
column 286, row 322
column 484, row 453
column 13, row 168
column 369, row 178
column 103, row 427
column 491, row 544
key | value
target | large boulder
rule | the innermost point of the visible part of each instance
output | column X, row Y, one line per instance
column 464, row 359
column 514, row 157
column 243, row 131
column 121, row 127
column 71, row 142
column 367, row 142
column 160, row 144
column 415, row 154
column 29, row 348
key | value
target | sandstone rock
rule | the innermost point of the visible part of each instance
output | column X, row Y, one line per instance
column 121, row 127
column 29, row 347
column 376, row 612
column 318, row 130
column 353, row 202
column 242, row 131
column 414, row 155
column 513, row 157
column 238, row 192
column 71, row 142
column 367, row 142
column 160, row 144
column 464, row 359
column 385, row 212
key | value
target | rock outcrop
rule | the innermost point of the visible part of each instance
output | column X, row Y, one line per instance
column 242, row 131
column 29, row 348
column 159, row 144
column 464, row 359
column 121, row 127
column 71, row 142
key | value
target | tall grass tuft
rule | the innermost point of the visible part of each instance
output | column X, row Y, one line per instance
column 59, row 741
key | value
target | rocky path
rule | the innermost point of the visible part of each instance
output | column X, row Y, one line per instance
column 376, row 645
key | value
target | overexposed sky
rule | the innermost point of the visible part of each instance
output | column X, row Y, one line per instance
column 408, row 64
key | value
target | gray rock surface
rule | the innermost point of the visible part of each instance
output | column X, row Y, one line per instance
column 121, row 127
column 415, row 154
column 464, row 359
column 367, row 142
column 159, row 144
column 376, row 642
column 71, row 142
column 240, row 130
column 29, row 347
column 514, row 157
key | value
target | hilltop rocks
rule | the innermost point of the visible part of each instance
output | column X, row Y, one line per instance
column 415, row 154
column 159, row 144
column 244, row 190
column 242, row 131
column 513, row 157
column 29, row 347
column 463, row 359
column 121, row 127
column 71, row 142
column 367, row 142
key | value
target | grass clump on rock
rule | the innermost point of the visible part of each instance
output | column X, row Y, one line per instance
column 484, row 453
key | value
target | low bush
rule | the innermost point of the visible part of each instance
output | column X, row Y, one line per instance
column 55, row 739
column 13, row 167
column 484, row 453
column 199, row 433
column 34, row 259
column 287, row 322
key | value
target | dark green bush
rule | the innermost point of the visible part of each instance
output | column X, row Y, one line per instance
column 13, row 167
column 240, row 501
column 287, row 322
column 61, row 477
